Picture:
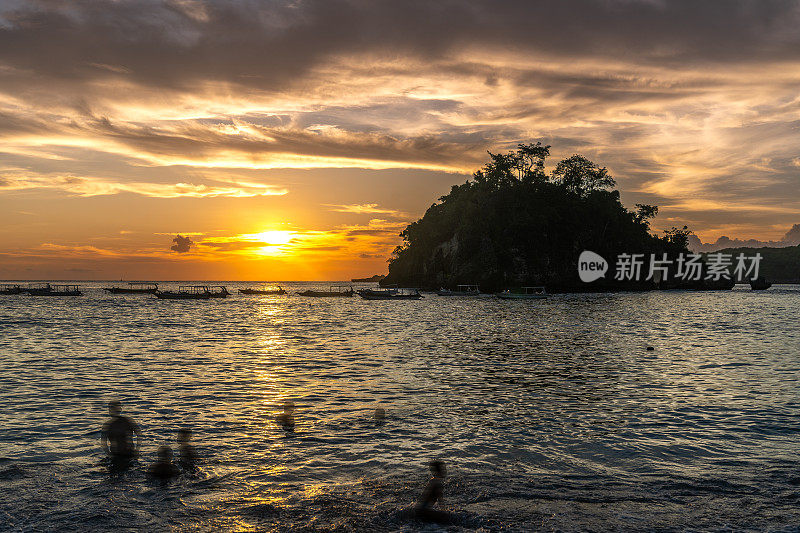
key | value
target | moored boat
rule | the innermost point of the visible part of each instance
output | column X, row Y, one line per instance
column 55, row 290
column 524, row 293
column 276, row 291
column 390, row 294
column 333, row 292
column 186, row 292
column 218, row 291
column 134, row 287
column 760, row 284
column 461, row 290
column 10, row 288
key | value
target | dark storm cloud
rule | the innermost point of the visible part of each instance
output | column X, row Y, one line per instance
column 270, row 44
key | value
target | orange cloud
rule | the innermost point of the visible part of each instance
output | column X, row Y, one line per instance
column 87, row 186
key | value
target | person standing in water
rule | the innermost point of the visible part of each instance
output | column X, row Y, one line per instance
column 116, row 438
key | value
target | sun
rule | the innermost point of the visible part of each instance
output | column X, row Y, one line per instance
column 275, row 237
column 273, row 242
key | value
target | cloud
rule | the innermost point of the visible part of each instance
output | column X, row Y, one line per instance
column 80, row 250
column 791, row 238
column 89, row 186
column 692, row 106
column 168, row 44
column 249, row 145
column 375, row 228
column 182, row 244
column 361, row 209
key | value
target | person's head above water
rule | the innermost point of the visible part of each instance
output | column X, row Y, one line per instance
column 437, row 468
column 114, row 407
column 380, row 413
column 184, row 435
column 165, row 454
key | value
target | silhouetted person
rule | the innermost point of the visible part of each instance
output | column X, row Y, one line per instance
column 116, row 438
column 163, row 469
column 432, row 494
column 286, row 418
column 188, row 456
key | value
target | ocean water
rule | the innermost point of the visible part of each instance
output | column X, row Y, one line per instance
column 549, row 415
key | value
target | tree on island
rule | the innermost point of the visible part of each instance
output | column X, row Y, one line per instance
column 515, row 224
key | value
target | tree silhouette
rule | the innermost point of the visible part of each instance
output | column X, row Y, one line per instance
column 581, row 176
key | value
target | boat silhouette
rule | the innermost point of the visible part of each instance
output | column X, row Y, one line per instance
column 134, row 287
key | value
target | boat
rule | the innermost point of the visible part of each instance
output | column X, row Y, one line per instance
column 760, row 284
column 334, row 291
column 461, row 290
column 524, row 293
column 220, row 292
column 390, row 294
column 134, row 287
column 186, row 292
column 279, row 290
column 54, row 290
column 10, row 288
column 38, row 287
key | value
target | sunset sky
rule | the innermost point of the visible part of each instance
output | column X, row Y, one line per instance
column 294, row 140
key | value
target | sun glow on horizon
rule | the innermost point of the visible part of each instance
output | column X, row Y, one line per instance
column 273, row 237
column 275, row 242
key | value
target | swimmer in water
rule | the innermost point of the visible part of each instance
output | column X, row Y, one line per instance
column 286, row 419
column 116, row 438
column 432, row 495
column 380, row 414
column 188, row 455
column 163, row 469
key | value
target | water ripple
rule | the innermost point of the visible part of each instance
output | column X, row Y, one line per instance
column 550, row 414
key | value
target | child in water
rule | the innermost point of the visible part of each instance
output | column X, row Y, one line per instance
column 163, row 469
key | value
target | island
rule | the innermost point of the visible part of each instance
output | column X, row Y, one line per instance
column 372, row 279
column 514, row 224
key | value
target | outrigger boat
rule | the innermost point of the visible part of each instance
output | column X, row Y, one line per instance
column 186, row 292
column 54, row 290
column 390, row 294
column 10, row 288
column 134, row 287
column 222, row 291
column 461, row 290
column 279, row 290
column 332, row 293
column 525, row 293
column 38, row 287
